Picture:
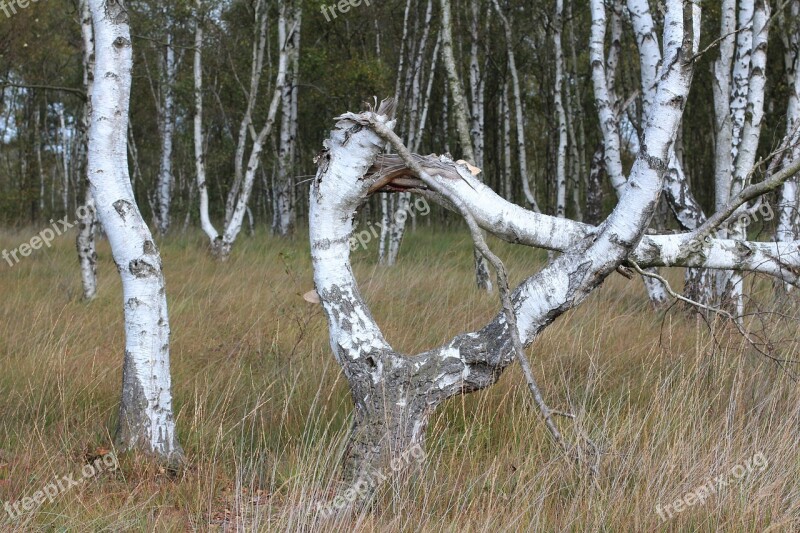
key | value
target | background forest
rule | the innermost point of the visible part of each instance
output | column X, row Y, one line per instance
column 231, row 103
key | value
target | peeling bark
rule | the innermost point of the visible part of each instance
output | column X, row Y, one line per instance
column 393, row 393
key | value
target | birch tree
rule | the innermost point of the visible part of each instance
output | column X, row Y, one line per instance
column 398, row 206
column 788, row 228
column 461, row 112
column 558, row 92
column 244, row 176
column 747, row 115
column 166, row 113
column 146, row 420
column 284, row 188
column 394, row 394
column 608, row 107
column 522, row 150
column 87, row 217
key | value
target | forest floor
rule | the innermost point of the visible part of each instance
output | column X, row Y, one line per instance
column 679, row 412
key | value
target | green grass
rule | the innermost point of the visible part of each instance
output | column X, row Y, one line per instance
column 263, row 410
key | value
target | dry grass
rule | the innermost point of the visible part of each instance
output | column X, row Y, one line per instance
column 263, row 411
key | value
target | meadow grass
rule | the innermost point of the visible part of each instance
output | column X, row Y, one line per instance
column 263, row 410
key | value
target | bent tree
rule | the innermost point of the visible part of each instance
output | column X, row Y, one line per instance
column 394, row 394
column 146, row 421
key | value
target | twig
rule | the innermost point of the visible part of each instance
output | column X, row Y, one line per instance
column 734, row 320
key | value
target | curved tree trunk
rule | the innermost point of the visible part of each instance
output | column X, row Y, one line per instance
column 146, row 421
column 199, row 139
column 394, row 394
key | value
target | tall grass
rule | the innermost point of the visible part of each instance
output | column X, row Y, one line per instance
column 263, row 410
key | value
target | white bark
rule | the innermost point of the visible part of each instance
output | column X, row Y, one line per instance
column 245, row 127
column 461, row 111
column 477, row 85
column 722, row 86
column 234, row 225
column 604, row 99
column 166, row 116
column 607, row 106
column 87, row 217
column 561, row 164
column 199, row 139
column 62, row 125
column 747, row 121
column 284, row 187
column 146, row 419
column 505, row 113
column 391, row 413
column 741, row 73
column 522, row 151
column 788, row 214
column 399, row 217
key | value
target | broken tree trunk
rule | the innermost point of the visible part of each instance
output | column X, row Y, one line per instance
column 394, row 394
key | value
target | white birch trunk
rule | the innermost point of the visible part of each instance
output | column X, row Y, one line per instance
column 199, row 138
column 561, row 164
column 87, row 217
column 284, row 187
column 167, row 131
column 522, row 151
column 605, row 101
column 146, row 421
column 391, row 414
column 505, row 112
column 747, row 109
column 462, row 122
column 245, row 127
column 399, row 217
column 234, row 225
column 62, row 125
column 788, row 203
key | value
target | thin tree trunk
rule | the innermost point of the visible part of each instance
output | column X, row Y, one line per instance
column 747, row 121
column 462, row 123
column 167, row 130
column 561, row 164
column 234, row 225
column 199, row 138
column 522, row 151
column 87, row 217
column 789, row 201
column 284, row 193
column 505, row 113
column 62, row 128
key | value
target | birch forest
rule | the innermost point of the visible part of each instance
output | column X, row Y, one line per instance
column 408, row 265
